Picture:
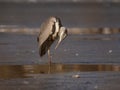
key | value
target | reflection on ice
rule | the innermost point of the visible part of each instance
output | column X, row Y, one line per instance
column 15, row 71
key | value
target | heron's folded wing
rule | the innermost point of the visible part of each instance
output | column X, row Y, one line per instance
column 45, row 31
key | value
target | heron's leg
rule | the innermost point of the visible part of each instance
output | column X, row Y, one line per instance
column 49, row 56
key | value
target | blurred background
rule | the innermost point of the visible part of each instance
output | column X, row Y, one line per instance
column 80, row 16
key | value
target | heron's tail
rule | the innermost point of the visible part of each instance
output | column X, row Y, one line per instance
column 41, row 53
column 42, row 50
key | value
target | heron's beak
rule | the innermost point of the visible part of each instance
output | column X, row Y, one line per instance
column 59, row 41
column 62, row 35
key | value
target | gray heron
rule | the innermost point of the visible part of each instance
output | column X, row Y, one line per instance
column 50, row 31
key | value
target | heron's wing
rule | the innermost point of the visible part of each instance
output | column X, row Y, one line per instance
column 45, row 46
column 45, row 31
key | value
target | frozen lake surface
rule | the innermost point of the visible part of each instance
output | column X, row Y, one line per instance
column 86, row 62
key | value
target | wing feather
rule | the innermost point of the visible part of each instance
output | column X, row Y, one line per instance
column 45, row 31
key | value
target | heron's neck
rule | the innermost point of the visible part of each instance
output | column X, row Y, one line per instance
column 55, row 34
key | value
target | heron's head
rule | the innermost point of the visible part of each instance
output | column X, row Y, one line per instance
column 56, row 20
column 62, row 34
